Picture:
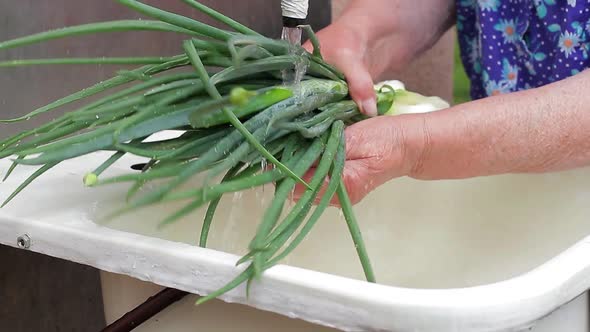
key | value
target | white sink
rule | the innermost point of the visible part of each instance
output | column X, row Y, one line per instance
column 489, row 254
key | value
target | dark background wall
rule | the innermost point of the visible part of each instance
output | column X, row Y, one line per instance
column 39, row 293
column 23, row 89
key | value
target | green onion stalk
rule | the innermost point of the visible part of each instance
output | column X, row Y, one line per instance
column 234, row 111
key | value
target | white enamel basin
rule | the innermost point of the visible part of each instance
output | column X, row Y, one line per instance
column 488, row 254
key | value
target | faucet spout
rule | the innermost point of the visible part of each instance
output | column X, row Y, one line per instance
column 294, row 12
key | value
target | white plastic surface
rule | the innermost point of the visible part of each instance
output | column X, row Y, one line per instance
column 492, row 254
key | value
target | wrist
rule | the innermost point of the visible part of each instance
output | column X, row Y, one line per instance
column 415, row 143
column 438, row 146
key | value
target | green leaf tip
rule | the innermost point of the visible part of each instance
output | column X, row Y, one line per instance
column 240, row 96
column 90, row 179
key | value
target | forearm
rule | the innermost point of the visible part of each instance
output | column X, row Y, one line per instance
column 413, row 25
column 539, row 130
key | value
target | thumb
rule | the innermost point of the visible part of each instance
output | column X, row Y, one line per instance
column 360, row 82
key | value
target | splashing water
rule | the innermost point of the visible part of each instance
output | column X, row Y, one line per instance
column 294, row 77
column 231, row 230
column 263, row 166
column 237, row 197
column 292, row 197
column 292, row 35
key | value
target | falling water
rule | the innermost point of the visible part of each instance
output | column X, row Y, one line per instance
column 230, row 231
column 263, row 164
column 292, row 197
column 293, row 36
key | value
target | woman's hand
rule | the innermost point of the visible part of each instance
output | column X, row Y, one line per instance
column 377, row 150
column 545, row 129
column 345, row 47
column 540, row 130
column 372, row 36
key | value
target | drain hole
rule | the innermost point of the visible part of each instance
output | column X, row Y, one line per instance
column 138, row 167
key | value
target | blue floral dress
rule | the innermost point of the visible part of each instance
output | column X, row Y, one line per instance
column 514, row 45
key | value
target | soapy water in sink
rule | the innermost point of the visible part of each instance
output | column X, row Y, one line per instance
column 419, row 234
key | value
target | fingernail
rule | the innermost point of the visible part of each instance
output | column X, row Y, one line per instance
column 369, row 107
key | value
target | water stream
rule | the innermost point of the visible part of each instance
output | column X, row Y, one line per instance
column 293, row 77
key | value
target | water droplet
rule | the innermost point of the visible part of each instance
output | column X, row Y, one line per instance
column 263, row 199
column 257, row 194
column 237, row 196
column 263, row 164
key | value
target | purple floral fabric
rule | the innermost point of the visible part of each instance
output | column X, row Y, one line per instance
column 514, row 45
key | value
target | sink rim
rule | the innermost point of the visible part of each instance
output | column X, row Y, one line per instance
column 318, row 297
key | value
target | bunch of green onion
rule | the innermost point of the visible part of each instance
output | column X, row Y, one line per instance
column 234, row 113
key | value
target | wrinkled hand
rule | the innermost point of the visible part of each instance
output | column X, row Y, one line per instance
column 345, row 48
column 375, row 153
column 375, row 150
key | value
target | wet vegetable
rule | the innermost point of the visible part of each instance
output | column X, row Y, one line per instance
column 235, row 112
